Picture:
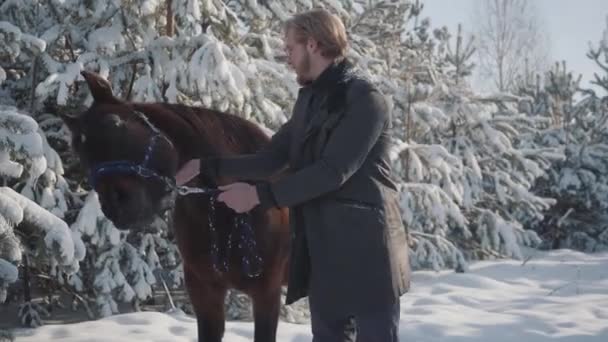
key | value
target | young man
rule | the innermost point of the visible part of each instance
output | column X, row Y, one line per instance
column 349, row 251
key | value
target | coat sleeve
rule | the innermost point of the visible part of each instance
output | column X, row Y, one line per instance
column 365, row 118
column 256, row 166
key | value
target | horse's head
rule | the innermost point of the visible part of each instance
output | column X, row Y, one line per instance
column 128, row 159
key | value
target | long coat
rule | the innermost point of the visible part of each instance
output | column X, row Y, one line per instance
column 349, row 248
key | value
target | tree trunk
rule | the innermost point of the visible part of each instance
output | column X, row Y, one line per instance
column 170, row 22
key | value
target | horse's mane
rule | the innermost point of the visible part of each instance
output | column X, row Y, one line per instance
column 199, row 131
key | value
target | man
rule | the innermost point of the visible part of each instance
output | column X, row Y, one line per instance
column 349, row 251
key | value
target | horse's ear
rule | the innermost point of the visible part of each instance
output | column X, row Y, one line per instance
column 100, row 87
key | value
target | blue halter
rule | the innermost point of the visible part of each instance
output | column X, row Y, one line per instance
column 244, row 241
column 131, row 168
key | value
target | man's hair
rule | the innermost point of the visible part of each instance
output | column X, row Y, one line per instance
column 325, row 28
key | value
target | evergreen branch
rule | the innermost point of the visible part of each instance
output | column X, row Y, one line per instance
column 602, row 82
column 595, row 56
column 105, row 21
column 429, row 236
column 68, row 40
column 167, row 292
column 20, row 67
column 34, row 84
column 66, row 289
column 560, row 221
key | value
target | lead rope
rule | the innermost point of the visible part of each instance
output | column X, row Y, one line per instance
column 252, row 266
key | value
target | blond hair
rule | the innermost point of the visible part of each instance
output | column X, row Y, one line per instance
column 325, row 28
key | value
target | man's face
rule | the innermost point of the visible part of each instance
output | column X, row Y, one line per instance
column 298, row 57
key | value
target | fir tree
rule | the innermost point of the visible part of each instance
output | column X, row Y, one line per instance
column 580, row 182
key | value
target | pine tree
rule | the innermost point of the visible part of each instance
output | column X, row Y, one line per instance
column 459, row 58
column 29, row 231
column 465, row 179
column 580, row 182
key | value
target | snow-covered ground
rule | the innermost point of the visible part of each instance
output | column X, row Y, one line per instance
column 556, row 296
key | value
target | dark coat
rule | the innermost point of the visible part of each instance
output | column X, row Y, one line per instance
column 349, row 246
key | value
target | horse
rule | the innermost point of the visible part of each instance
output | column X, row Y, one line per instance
column 132, row 152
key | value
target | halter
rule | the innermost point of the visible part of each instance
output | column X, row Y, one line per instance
column 142, row 169
column 244, row 241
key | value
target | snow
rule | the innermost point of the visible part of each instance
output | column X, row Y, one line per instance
column 148, row 7
column 37, row 45
column 560, row 295
column 87, row 216
column 8, row 272
column 58, row 236
column 20, row 134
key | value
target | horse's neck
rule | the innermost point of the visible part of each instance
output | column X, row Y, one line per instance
column 187, row 133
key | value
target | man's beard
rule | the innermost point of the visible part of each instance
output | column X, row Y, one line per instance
column 303, row 71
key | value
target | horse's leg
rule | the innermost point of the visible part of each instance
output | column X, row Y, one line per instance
column 266, row 305
column 208, row 303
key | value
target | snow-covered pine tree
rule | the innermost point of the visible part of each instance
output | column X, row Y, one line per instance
column 19, row 46
column 458, row 59
column 465, row 182
column 33, row 230
column 209, row 58
column 500, row 171
column 41, row 179
column 496, row 125
column 120, row 267
column 549, row 95
column 580, row 182
column 400, row 56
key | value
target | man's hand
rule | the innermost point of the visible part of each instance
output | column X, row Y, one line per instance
column 187, row 172
column 240, row 197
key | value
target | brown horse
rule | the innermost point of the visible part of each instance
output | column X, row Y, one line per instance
column 133, row 150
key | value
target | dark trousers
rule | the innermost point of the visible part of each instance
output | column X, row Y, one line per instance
column 371, row 327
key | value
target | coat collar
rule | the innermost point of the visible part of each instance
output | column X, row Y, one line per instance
column 336, row 73
column 330, row 88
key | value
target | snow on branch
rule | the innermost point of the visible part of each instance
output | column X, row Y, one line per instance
column 20, row 140
column 65, row 247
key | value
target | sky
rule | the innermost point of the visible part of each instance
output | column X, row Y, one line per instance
column 571, row 25
column 553, row 296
